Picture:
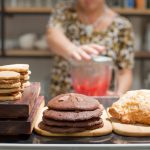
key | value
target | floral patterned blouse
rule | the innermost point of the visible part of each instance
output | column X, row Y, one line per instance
column 118, row 40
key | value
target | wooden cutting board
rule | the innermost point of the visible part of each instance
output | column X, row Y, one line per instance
column 21, row 108
column 22, row 126
column 107, row 128
column 129, row 129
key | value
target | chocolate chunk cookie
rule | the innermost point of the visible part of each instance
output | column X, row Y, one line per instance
column 73, row 101
column 55, row 129
column 86, row 123
column 72, row 115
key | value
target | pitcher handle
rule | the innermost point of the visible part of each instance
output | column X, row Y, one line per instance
column 115, row 79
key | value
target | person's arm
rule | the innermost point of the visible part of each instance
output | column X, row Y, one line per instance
column 124, row 81
column 62, row 46
column 125, row 58
column 59, row 44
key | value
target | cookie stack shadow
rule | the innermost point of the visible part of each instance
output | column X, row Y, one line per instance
column 72, row 113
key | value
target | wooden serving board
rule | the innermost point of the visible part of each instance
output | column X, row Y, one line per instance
column 24, row 126
column 107, row 128
column 21, row 108
column 129, row 129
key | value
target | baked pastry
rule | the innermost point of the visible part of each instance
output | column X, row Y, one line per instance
column 65, row 129
column 88, row 123
column 72, row 101
column 70, row 113
column 133, row 107
column 10, row 86
column 22, row 69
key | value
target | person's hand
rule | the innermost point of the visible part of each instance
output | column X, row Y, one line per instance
column 86, row 51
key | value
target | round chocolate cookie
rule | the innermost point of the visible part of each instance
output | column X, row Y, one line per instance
column 73, row 101
column 55, row 129
column 72, row 115
column 86, row 123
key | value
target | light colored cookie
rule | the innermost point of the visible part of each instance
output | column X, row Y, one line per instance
column 15, row 67
column 11, row 98
column 26, row 84
column 10, row 86
column 10, row 90
column 24, row 77
column 10, row 81
column 29, row 72
column 9, row 75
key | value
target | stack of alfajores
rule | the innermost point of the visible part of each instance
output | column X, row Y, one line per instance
column 10, row 86
column 24, row 71
column 71, row 113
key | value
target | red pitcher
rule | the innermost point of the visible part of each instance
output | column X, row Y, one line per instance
column 92, row 77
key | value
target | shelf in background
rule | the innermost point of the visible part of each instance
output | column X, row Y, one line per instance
column 132, row 11
column 38, row 10
column 46, row 53
column 28, row 53
column 142, row 54
column 46, row 10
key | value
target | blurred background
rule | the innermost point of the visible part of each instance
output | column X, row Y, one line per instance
column 22, row 36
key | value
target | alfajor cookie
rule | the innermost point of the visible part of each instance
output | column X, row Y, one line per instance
column 10, row 97
column 22, row 69
column 10, row 86
column 15, row 67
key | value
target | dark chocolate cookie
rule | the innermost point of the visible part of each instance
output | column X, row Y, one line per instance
column 73, row 101
column 72, row 115
column 86, row 123
column 55, row 129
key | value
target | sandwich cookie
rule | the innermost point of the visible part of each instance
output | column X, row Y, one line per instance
column 24, row 71
column 9, row 85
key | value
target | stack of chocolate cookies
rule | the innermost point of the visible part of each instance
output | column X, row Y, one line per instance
column 24, row 71
column 70, row 113
column 10, row 86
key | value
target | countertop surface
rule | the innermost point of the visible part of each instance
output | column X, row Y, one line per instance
column 112, row 140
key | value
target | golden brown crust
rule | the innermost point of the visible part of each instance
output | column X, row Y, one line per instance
column 9, row 75
column 6, row 81
column 11, row 98
column 133, row 107
column 15, row 67
column 10, row 86
column 10, row 90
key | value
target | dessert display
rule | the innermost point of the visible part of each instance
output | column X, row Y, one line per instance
column 133, row 107
column 73, row 115
column 23, row 69
column 10, row 86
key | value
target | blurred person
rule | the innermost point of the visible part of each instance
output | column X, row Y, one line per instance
column 85, row 28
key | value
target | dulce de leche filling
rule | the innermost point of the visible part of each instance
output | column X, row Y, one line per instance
column 11, row 81
column 9, row 94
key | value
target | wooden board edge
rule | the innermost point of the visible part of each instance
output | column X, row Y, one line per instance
column 37, row 113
